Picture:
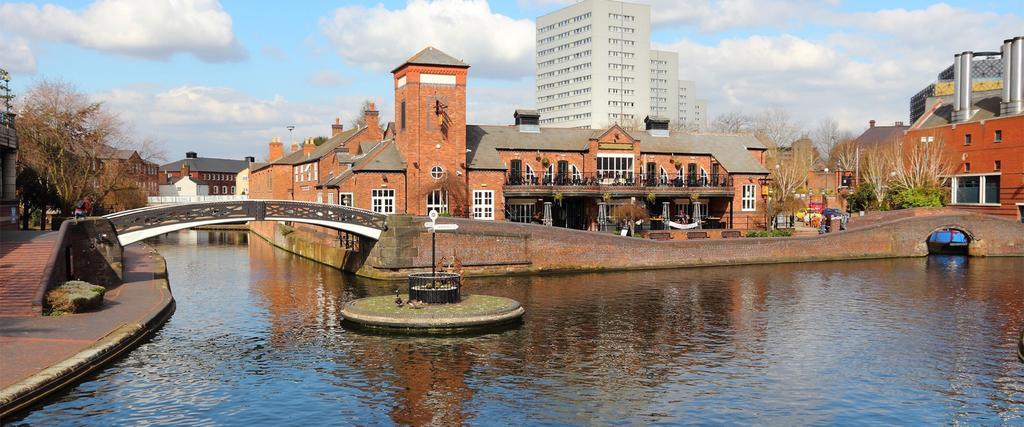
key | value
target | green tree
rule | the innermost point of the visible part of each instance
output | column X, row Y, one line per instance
column 318, row 141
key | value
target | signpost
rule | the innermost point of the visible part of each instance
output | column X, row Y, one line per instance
column 434, row 228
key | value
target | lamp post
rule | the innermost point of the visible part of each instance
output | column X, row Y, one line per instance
column 290, row 129
column 824, row 197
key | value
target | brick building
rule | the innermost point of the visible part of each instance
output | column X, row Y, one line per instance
column 218, row 174
column 430, row 158
column 984, row 131
column 137, row 178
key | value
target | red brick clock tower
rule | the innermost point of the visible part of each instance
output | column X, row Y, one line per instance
column 430, row 124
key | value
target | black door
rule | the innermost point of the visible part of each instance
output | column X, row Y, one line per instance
column 574, row 214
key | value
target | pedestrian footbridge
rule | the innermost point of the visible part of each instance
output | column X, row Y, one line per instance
column 139, row 224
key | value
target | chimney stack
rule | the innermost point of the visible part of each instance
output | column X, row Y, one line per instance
column 185, row 169
column 871, row 123
column 276, row 149
column 308, row 147
column 295, row 147
column 1013, row 76
column 962, row 87
column 372, row 123
column 337, row 128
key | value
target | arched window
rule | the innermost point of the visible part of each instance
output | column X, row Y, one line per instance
column 577, row 176
column 223, row 189
column 531, row 177
column 437, row 200
column 549, row 175
column 664, row 177
column 703, row 176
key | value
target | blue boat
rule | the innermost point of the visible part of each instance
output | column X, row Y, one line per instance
column 948, row 241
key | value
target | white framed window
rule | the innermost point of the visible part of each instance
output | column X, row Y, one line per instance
column 382, row 200
column 521, row 211
column 483, row 204
column 975, row 189
column 749, row 197
column 214, row 189
column 437, row 200
column 549, row 174
column 330, row 198
column 577, row 176
column 664, row 176
column 530, row 174
column 346, row 199
column 232, row 189
column 615, row 165
column 703, row 176
column 436, row 172
column 223, row 189
column 319, row 197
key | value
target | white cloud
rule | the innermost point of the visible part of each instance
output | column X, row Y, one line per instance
column 218, row 121
column 379, row 38
column 722, row 15
column 867, row 68
column 151, row 29
column 16, row 56
column 327, row 78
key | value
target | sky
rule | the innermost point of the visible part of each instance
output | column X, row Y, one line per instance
column 223, row 78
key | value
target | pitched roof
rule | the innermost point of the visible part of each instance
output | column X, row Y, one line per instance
column 207, row 164
column 878, row 135
column 298, row 157
column 730, row 150
column 377, row 157
column 986, row 104
column 432, row 56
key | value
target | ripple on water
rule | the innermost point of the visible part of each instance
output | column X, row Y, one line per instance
column 257, row 339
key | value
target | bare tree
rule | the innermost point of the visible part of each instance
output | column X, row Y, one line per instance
column 65, row 137
column 876, row 167
column 360, row 119
column 630, row 213
column 827, row 135
column 843, row 155
column 919, row 165
column 731, row 122
column 776, row 126
column 789, row 169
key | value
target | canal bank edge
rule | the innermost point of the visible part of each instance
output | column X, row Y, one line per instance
column 487, row 248
column 113, row 345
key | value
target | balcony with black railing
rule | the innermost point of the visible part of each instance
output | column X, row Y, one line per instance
column 618, row 183
column 8, row 136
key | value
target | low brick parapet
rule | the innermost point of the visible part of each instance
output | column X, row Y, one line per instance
column 494, row 248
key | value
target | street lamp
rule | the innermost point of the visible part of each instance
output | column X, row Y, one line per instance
column 290, row 129
column 824, row 197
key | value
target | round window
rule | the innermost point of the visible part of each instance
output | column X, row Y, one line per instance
column 436, row 172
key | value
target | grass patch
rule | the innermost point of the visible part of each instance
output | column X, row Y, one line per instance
column 74, row 296
column 471, row 305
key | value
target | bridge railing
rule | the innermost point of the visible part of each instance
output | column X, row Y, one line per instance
column 163, row 200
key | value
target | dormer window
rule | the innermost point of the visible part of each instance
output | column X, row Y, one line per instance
column 527, row 120
column 656, row 126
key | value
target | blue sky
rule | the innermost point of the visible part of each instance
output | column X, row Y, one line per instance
column 223, row 78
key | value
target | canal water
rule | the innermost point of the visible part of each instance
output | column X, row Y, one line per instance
column 257, row 339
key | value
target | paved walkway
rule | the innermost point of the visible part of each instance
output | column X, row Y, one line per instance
column 23, row 257
column 30, row 344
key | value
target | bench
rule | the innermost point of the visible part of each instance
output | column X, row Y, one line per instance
column 659, row 235
column 696, row 235
column 731, row 234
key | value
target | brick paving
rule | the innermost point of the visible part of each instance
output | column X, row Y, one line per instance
column 23, row 257
column 32, row 343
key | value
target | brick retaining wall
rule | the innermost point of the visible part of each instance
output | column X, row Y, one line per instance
column 489, row 248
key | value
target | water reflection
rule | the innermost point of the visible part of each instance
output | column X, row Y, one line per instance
column 257, row 338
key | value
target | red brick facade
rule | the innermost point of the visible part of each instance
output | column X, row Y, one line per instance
column 427, row 160
column 984, row 148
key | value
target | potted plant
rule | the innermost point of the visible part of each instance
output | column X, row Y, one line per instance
column 651, row 197
column 693, row 197
column 678, row 164
column 545, row 162
column 558, row 198
column 606, row 197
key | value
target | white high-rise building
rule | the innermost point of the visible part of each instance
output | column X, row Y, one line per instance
column 595, row 67
column 693, row 112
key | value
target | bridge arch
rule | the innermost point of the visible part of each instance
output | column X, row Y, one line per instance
column 139, row 224
column 950, row 239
